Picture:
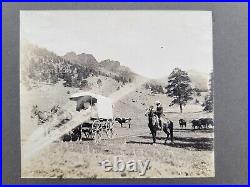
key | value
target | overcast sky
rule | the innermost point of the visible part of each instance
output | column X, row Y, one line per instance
column 151, row 43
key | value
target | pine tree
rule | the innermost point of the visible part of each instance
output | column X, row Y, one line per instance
column 179, row 88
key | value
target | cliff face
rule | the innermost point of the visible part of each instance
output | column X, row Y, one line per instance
column 82, row 59
column 110, row 65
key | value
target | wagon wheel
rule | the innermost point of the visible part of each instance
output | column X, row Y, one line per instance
column 96, row 131
column 109, row 128
column 97, row 137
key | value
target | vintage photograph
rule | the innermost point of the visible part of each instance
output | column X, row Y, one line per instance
column 116, row 94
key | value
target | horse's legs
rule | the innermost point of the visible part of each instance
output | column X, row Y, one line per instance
column 153, row 132
column 154, row 136
column 166, row 131
column 171, row 134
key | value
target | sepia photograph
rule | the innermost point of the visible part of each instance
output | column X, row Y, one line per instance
column 116, row 94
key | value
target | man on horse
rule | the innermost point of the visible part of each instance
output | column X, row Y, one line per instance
column 166, row 124
column 159, row 114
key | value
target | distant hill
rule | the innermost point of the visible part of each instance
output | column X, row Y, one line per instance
column 199, row 79
column 82, row 59
column 41, row 65
column 113, row 66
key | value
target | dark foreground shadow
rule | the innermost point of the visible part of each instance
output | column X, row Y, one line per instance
column 195, row 130
column 195, row 140
column 189, row 143
column 139, row 142
column 193, row 146
column 86, row 139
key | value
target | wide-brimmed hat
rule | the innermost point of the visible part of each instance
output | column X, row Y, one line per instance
column 157, row 102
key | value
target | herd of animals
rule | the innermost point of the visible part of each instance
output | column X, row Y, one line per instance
column 85, row 128
column 198, row 123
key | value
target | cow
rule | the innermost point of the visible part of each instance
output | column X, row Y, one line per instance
column 182, row 123
column 205, row 122
column 123, row 120
column 196, row 123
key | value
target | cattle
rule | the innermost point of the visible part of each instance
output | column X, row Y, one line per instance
column 182, row 123
column 205, row 122
column 123, row 120
column 196, row 123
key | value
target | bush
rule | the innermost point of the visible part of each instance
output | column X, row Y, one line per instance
column 208, row 104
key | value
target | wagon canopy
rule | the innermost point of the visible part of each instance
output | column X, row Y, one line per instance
column 102, row 105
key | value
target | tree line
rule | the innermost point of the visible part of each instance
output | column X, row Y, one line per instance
column 51, row 69
column 179, row 88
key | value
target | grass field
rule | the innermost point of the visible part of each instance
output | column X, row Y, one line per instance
column 191, row 155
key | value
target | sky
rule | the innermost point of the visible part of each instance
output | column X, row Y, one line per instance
column 151, row 43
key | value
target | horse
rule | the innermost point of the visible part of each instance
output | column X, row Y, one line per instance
column 167, row 126
column 123, row 120
column 42, row 116
column 182, row 123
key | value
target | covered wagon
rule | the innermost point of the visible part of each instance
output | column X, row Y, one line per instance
column 99, row 112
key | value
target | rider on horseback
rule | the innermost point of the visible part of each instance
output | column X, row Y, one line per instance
column 159, row 114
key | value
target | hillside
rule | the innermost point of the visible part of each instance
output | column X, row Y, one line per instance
column 41, row 65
